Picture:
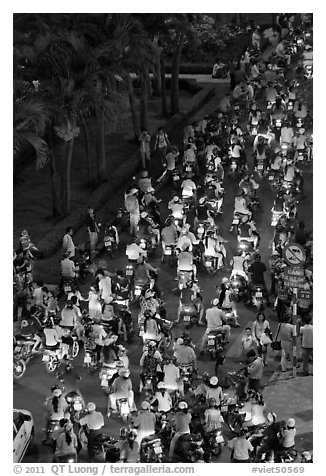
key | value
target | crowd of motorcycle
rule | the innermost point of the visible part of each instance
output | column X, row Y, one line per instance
column 182, row 415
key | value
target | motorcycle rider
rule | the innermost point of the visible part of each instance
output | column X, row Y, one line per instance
column 151, row 328
column 130, row 448
column 53, row 340
column 190, row 294
column 144, row 422
column 56, row 407
column 240, row 205
column 287, row 134
column 182, row 420
column 203, row 213
column 257, row 270
column 68, row 270
column 29, row 329
column 188, row 188
column 185, row 354
column 169, row 235
column 226, row 302
column 66, row 444
column 93, row 421
column 213, row 417
column 151, row 365
column 287, row 435
column 162, row 398
column 70, row 379
column 134, row 251
column 214, row 246
column 239, row 265
column 148, row 229
column 144, row 182
column 215, row 321
column 213, row 390
column 247, row 231
column 142, row 272
column 186, row 238
column 186, row 261
column 151, row 205
column 171, row 378
column 177, row 208
column 68, row 316
column 122, row 388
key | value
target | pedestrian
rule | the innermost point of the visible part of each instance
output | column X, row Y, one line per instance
column 306, row 333
column 262, row 334
column 93, row 230
column 66, row 443
column 132, row 207
column 287, row 331
column 232, row 68
column 248, row 343
column 144, row 148
column 161, row 143
column 93, row 421
column 255, row 370
column 67, row 242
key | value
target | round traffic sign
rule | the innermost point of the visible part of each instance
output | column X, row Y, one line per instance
column 294, row 254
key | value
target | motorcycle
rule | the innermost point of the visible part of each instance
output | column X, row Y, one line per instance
column 123, row 408
column 68, row 458
column 52, row 427
column 274, row 179
column 184, row 277
column 166, row 327
column 187, row 200
column 186, row 375
column 76, row 405
column 254, row 128
column 211, row 264
column 215, row 205
column 215, row 343
column 151, row 450
column 176, row 177
column 105, row 449
column 238, row 286
column 189, row 449
column 276, row 216
column 214, row 442
column 54, row 358
column 90, row 356
column 189, row 314
column 170, row 254
column 68, row 285
column 129, row 270
column 189, row 168
column 110, row 245
column 308, row 71
column 19, row 367
column 257, row 297
column 139, row 289
column 23, row 348
column 201, row 229
column 107, row 374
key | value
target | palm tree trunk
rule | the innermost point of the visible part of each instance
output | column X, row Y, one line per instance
column 144, row 110
column 134, row 117
column 63, row 190
column 175, row 75
column 88, row 151
column 163, row 83
column 54, row 178
column 101, row 158
column 157, row 79
column 67, row 176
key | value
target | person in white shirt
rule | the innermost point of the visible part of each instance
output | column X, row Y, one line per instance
column 163, row 399
column 188, row 187
column 287, row 135
column 99, row 336
column 68, row 267
column 176, row 207
column 93, row 421
column 67, row 242
column 215, row 319
column 105, row 287
column 172, row 376
column 134, row 251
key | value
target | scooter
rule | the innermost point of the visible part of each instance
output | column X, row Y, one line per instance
column 151, row 450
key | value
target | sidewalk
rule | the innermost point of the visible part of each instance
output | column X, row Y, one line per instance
column 293, row 398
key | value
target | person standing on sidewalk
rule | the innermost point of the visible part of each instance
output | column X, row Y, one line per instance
column 93, row 230
column 161, row 143
column 144, row 147
column 255, row 370
column 286, row 337
column 306, row 333
column 67, row 242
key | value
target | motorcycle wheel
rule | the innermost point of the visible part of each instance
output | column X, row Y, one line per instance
column 19, row 369
column 75, row 349
column 217, row 451
column 235, row 424
column 171, row 261
column 52, row 364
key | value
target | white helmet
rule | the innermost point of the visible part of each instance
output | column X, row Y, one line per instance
column 150, row 190
column 143, row 215
column 201, row 200
column 183, row 405
column 291, row 422
column 213, row 380
column 57, row 392
column 161, row 385
column 91, row 407
column 145, row 405
column 124, row 372
column 180, row 341
column 176, row 198
column 215, row 302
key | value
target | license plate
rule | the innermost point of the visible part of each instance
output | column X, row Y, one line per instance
column 104, row 382
column 157, row 450
column 45, row 358
column 260, row 167
column 201, row 230
column 124, row 409
column 224, row 408
column 208, row 264
column 67, row 289
column 129, row 272
column 188, row 169
column 186, row 318
column 176, row 177
column 137, row 292
column 211, row 342
column 219, row 439
column 254, row 132
column 87, row 359
column 259, row 294
column 235, row 221
column 19, row 368
column 271, row 177
column 18, row 348
column 233, row 166
column 78, row 407
column 168, row 251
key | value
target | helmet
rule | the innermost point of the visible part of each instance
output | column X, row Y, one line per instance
column 211, row 401
column 306, row 455
column 257, row 257
column 145, row 405
column 147, row 313
column 91, row 407
column 176, row 198
column 144, row 174
column 180, row 341
column 201, row 200
column 277, row 150
column 57, row 392
column 302, row 130
column 143, row 215
column 124, row 373
column 272, row 417
column 149, row 293
column 132, row 433
column 24, row 323
column 150, row 190
column 161, row 385
column 152, row 344
column 291, row 422
column 183, row 405
column 215, row 302
column 213, row 380
column 133, row 191
column 225, row 280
